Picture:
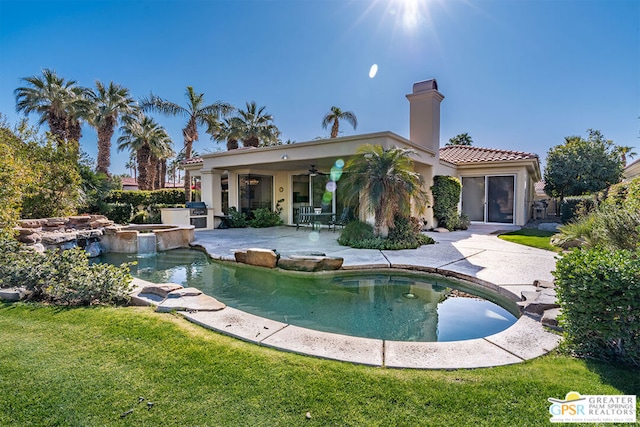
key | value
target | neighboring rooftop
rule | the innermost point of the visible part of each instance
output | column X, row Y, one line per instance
column 464, row 154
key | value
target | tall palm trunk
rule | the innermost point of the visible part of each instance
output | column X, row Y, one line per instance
column 105, row 132
column 58, row 126
column 335, row 128
column 145, row 178
column 232, row 144
column 190, row 134
column 163, row 173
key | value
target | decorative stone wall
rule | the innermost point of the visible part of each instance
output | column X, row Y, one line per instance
column 64, row 233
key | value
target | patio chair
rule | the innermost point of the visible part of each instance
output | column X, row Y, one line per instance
column 304, row 216
column 344, row 219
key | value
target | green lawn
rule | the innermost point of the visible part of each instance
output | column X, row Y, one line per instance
column 88, row 366
column 531, row 237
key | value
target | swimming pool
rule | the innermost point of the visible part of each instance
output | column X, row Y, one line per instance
column 381, row 304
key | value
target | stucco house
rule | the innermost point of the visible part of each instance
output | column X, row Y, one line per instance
column 631, row 171
column 498, row 185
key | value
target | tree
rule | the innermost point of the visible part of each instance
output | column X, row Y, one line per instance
column 624, row 152
column 59, row 103
column 462, row 139
column 582, row 166
column 254, row 127
column 198, row 114
column 334, row 116
column 149, row 141
column 225, row 131
column 387, row 181
column 106, row 104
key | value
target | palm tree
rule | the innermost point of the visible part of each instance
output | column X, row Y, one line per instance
column 56, row 100
column 334, row 116
column 224, row 131
column 148, row 140
column 106, row 104
column 625, row 151
column 131, row 165
column 198, row 113
column 387, row 181
column 254, row 126
column 462, row 139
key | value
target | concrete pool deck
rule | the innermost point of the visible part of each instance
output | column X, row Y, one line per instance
column 476, row 255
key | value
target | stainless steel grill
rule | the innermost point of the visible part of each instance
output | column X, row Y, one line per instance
column 197, row 214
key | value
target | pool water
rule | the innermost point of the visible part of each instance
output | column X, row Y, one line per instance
column 398, row 307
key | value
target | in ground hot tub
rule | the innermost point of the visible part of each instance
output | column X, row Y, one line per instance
column 146, row 239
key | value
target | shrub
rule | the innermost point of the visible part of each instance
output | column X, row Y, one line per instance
column 599, row 291
column 62, row 277
column 625, row 194
column 263, row 217
column 120, row 213
column 355, row 231
column 236, row 219
column 446, row 195
column 405, row 234
column 140, row 217
column 576, row 206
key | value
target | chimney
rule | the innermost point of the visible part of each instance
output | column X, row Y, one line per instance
column 424, row 115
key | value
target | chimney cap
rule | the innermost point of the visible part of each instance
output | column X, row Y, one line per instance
column 425, row 86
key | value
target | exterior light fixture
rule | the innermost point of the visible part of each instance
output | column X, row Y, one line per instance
column 284, row 157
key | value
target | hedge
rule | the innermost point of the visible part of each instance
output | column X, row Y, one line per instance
column 577, row 206
column 599, row 293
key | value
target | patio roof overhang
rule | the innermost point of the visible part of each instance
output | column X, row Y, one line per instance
column 300, row 156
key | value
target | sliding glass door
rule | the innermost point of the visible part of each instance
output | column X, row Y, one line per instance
column 489, row 198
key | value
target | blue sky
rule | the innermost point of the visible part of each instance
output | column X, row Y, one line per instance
column 516, row 74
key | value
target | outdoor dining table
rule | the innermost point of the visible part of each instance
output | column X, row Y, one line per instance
column 317, row 219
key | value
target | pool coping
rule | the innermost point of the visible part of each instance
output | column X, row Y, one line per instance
column 524, row 340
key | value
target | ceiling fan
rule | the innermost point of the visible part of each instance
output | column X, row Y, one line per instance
column 313, row 171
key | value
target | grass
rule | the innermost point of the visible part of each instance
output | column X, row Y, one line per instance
column 88, row 366
column 531, row 237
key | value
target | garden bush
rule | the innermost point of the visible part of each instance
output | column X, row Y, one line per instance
column 598, row 291
column 405, row 234
column 62, row 277
column 237, row 219
column 120, row 213
column 577, row 206
column 446, row 196
column 263, row 217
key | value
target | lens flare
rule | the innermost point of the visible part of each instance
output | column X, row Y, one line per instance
column 373, row 71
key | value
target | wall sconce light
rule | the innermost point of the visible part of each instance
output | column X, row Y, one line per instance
column 284, row 157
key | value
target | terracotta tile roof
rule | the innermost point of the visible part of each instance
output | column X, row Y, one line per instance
column 191, row 161
column 464, row 154
column 129, row 181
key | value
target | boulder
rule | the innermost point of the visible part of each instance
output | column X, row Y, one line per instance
column 550, row 317
column 29, row 239
column 310, row 263
column 80, row 220
column 12, row 294
column 55, row 222
column 161, row 289
column 189, row 299
column 539, row 301
column 240, row 256
column 261, row 257
column 93, row 249
column 549, row 226
column 544, row 284
column 441, row 230
column 52, row 239
column 24, row 231
column 32, row 223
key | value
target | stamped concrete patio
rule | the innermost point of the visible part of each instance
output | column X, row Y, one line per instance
column 476, row 255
